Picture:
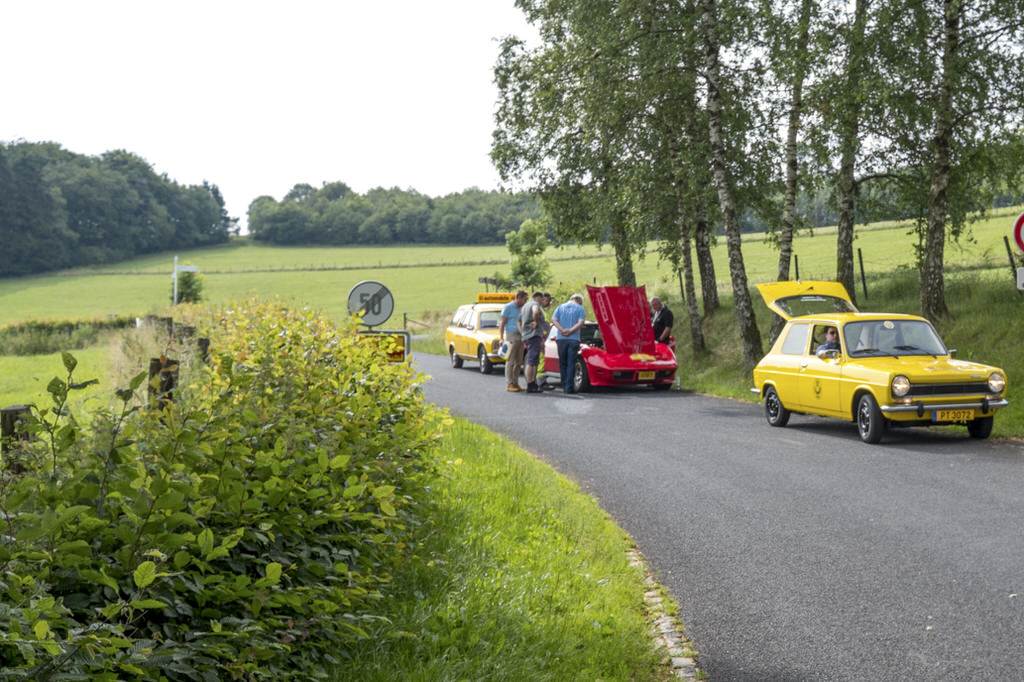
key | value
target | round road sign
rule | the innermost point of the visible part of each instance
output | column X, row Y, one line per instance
column 373, row 301
column 1018, row 232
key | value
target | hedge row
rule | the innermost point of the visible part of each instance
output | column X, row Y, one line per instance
column 38, row 337
column 243, row 532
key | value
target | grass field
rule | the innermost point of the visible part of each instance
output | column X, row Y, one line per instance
column 440, row 278
column 23, row 380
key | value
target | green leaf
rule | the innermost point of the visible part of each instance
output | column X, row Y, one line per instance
column 138, row 379
column 145, row 574
column 148, row 604
column 69, row 361
column 181, row 559
column 56, row 387
column 387, row 508
column 384, row 491
column 205, row 540
column 339, row 461
column 42, row 629
column 274, row 571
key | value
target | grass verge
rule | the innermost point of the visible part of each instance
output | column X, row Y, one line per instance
column 520, row 576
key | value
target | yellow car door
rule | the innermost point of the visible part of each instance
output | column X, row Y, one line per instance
column 820, row 377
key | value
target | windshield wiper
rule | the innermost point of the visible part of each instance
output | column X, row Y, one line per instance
column 924, row 351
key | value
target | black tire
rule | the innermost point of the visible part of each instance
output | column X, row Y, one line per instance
column 456, row 360
column 485, row 364
column 580, row 377
column 870, row 422
column 980, row 427
column 774, row 411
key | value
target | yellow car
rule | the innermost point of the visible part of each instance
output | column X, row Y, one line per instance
column 884, row 370
column 473, row 332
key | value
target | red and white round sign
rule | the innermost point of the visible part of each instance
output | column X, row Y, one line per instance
column 1018, row 232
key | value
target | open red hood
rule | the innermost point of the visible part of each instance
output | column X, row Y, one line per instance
column 624, row 319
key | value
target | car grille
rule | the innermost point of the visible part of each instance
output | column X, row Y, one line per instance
column 925, row 390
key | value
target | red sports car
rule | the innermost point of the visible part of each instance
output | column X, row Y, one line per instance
column 619, row 349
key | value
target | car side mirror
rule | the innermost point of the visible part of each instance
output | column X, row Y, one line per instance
column 952, row 352
column 831, row 354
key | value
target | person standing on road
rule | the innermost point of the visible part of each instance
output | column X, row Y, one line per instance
column 531, row 327
column 568, row 319
column 508, row 330
column 661, row 318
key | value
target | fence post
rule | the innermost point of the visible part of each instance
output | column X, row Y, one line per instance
column 204, row 348
column 163, row 377
column 863, row 282
column 796, row 266
column 1013, row 261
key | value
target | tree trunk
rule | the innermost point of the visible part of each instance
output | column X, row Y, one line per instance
column 792, row 167
column 750, row 336
column 687, row 293
column 693, row 312
column 702, row 245
column 624, row 273
column 933, row 295
column 849, row 145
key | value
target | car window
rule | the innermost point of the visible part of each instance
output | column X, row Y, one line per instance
column 814, row 304
column 457, row 317
column 796, row 340
column 893, row 338
column 467, row 320
column 819, row 336
column 489, row 319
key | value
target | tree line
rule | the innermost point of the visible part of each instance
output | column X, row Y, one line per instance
column 638, row 121
column 334, row 214
column 59, row 209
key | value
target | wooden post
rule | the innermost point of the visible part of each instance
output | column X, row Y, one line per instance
column 863, row 282
column 1013, row 261
column 9, row 418
column 204, row 348
column 796, row 266
column 163, row 377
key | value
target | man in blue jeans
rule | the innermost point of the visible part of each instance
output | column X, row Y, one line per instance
column 568, row 319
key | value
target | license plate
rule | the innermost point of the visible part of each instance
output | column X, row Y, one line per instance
column 953, row 415
column 643, row 376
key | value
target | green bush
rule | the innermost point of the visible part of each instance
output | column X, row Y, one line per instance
column 243, row 532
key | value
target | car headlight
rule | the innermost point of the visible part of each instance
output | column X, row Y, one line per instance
column 900, row 385
column 996, row 382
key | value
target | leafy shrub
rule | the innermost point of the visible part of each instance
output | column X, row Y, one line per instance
column 243, row 532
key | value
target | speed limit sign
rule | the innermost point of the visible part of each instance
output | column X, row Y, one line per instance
column 1018, row 232
column 372, row 301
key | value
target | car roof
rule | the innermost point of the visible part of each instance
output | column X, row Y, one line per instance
column 840, row 319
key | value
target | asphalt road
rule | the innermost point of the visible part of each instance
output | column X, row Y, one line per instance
column 797, row 553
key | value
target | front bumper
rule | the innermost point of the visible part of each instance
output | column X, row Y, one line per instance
column 984, row 405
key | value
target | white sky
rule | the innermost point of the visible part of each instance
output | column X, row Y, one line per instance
column 257, row 96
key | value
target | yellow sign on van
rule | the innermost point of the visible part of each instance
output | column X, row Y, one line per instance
column 494, row 297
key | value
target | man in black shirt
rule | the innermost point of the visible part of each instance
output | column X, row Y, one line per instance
column 661, row 318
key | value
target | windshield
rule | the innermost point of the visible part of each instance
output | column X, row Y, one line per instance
column 893, row 338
